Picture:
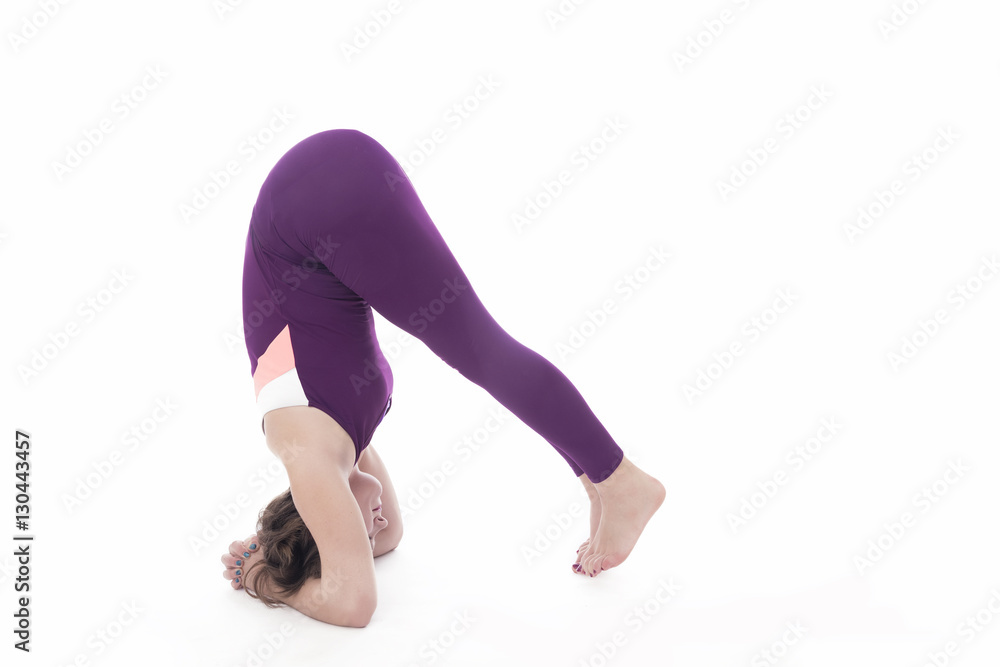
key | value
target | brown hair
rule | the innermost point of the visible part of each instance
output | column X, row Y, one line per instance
column 290, row 554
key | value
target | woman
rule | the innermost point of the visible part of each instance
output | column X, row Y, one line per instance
column 338, row 230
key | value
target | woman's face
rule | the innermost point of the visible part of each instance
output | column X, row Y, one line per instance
column 367, row 491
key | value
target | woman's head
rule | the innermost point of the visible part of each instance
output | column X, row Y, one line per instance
column 289, row 552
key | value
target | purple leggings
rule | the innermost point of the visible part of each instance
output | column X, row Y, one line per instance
column 338, row 230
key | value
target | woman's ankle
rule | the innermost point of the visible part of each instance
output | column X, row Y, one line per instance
column 588, row 486
column 620, row 475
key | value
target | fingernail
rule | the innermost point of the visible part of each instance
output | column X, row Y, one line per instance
column 237, row 580
column 246, row 554
column 253, row 546
column 239, row 562
column 239, row 572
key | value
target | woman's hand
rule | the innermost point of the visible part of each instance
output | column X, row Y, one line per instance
column 242, row 554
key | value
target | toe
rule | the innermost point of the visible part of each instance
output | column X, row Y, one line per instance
column 610, row 561
column 591, row 564
column 581, row 553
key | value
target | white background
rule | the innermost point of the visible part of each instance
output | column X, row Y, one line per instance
column 171, row 332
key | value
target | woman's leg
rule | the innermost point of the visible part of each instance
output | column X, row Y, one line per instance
column 390, row 253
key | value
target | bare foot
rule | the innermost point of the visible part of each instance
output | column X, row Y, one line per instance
column 242, row 554
column 595, row 520
column 629, row 498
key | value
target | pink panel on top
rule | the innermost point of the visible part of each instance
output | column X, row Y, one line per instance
column 276, row 360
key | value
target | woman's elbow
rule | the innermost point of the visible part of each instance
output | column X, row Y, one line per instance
column 358, row 615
